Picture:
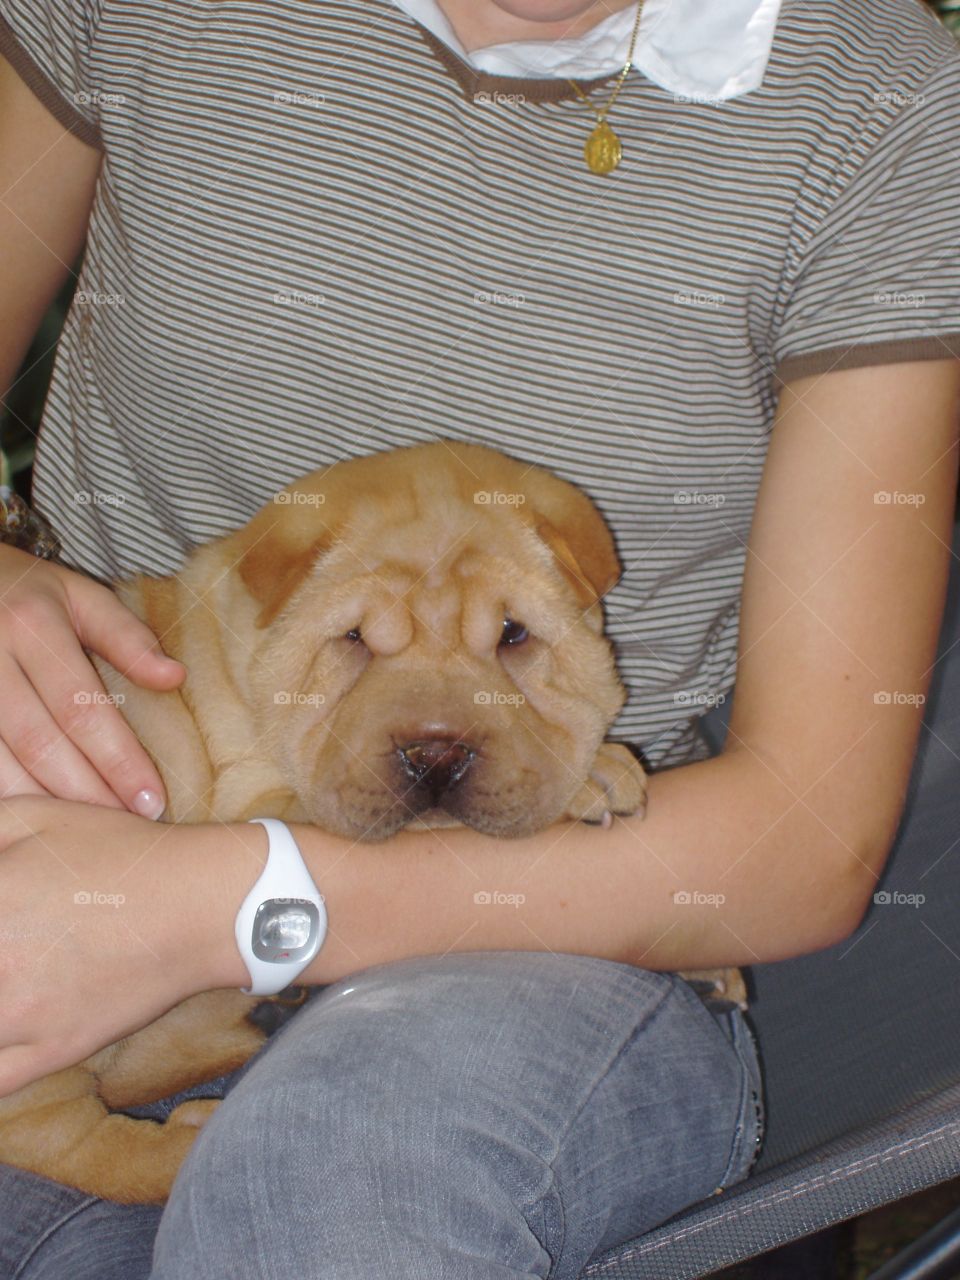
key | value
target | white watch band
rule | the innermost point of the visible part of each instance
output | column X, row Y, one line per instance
column 283, row 921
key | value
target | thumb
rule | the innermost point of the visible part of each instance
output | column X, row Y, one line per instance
column 105, row 625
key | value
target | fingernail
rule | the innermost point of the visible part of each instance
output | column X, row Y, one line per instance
column 148, row 804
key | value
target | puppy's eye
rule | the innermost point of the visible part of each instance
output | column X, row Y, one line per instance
column 353, row 634
column 513, row 632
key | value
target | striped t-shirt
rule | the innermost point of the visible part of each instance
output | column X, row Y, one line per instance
column 319, row 232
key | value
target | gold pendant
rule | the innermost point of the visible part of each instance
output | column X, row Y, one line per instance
column 602, row 150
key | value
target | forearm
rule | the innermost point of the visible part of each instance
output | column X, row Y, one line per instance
column 767, row 880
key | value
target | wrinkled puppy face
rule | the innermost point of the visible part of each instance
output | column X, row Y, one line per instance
column 428, row 653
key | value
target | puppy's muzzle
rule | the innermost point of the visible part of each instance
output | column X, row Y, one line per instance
column 437, row 764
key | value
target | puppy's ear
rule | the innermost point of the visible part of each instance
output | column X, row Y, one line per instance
column 560, row 513
column 281, row 544
column 591, row 573
column 272, row 572
column 278, row 548
column 572, row 527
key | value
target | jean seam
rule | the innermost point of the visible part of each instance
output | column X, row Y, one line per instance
column 536, row 1207
column 758, row 1093
column 54, row 1226
column 738, row 1145
column 601, row 1076
column 611, row 1063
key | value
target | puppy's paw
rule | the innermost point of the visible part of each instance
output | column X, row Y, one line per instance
column 721, row 987
column 194, row 1113
column 617, row 785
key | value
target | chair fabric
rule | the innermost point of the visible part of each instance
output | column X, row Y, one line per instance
column 860, row 1043
column 884, row 1161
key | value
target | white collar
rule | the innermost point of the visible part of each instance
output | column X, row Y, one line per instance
column 715, row 50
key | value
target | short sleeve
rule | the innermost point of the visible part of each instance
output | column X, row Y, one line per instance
column 48, row 43
column 878, row 280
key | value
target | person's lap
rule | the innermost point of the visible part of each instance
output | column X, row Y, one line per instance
column 473, row 1115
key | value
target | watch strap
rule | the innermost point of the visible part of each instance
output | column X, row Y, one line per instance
column 284, row 878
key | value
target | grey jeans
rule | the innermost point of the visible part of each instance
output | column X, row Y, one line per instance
column 497, row 1114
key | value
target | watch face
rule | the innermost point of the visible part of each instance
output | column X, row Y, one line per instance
column 285, row 930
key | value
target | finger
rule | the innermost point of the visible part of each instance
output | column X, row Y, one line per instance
column 49, row 652
column 41, row 746
column 105, row 625
column 91, row 721
column 14, row 779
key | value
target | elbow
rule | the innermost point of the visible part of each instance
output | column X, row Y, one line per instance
column 842, row 923
column 823, row 909
column 840, row 905
column 815, row 929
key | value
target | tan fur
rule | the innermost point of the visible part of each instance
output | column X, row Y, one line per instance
column 281, row 715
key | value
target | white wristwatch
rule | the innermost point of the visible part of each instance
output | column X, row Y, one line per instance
column 283, row 921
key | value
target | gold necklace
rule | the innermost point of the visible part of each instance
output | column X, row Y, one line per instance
column 602, row 150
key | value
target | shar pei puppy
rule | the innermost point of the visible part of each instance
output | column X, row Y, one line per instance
column 410, row 638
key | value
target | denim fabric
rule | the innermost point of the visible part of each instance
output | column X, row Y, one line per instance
column 494, row 1114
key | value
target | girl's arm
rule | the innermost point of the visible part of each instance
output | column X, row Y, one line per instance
column 47, row 180
column 55, row 738
column 775, row 847
column 777, row 843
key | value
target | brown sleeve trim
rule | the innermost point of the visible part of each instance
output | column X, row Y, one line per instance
column 44, row 89
column 941, row 347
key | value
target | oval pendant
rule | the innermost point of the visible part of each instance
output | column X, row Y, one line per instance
column 602, row 150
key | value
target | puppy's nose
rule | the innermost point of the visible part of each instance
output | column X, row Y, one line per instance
column 439, row 763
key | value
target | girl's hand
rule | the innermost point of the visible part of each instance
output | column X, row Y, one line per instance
column 107, row 921
column 58, row 733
